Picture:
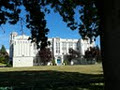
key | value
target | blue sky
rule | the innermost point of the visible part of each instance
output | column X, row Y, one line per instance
column 54, row 22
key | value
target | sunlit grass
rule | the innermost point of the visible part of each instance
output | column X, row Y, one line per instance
column 87, row 69
column 76, row 77
column 1, row 64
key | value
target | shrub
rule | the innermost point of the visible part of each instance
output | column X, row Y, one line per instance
column 66, row 62
column 53, row 62
column 2, row 60
column 9, row 64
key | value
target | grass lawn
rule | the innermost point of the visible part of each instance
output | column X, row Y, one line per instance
column 1, row 64
column 78, row 77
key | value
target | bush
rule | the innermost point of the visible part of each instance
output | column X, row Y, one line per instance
column 66, row 62
column 2, row 60
column 9, row 64
column 53, row 62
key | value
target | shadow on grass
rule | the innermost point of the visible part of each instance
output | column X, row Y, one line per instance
column 50, row 80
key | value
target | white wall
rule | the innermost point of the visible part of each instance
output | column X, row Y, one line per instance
column 22, row 61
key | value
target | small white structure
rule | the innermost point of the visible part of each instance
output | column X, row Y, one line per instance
column 7, row 51
column 23, row 53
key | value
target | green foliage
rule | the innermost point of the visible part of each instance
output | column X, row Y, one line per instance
column 53, row 62
column 66, row 62
column 9, row 65
column 3, row 55
column 2, row 60
column 3, row 50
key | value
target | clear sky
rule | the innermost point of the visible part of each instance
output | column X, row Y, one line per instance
column 54, row 22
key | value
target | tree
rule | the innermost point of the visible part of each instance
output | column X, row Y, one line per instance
column 98, row 17
column 98, row 54
column 88, row 54
column 3, row 55
column 92, row 53
column 3, row 50
column 109, row 26
column 72, row 54
column 45, row 55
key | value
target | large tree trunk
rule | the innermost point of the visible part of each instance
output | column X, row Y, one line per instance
column 109, row 11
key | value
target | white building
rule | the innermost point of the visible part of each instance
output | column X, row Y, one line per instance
column 24, row 53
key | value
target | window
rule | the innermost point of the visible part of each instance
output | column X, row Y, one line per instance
column 75, row 46
column 57, row 47
column 70, row 44
column 57, row 44
column 34, row 46
column 64, row 45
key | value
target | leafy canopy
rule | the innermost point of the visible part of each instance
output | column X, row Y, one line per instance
column 4, row 57
column 3, row 50
column 45, row 55
column 35, row 17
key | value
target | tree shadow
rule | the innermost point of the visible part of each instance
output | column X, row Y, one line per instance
column 50, row 80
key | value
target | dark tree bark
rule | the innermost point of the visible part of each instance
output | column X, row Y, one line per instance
column 109, row 12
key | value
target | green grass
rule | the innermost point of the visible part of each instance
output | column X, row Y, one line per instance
column 1, row 64
column 78, row 77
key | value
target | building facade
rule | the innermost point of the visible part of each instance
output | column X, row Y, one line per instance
column 24, row 53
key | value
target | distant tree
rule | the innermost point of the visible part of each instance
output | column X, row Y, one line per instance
column 72, row 54
column 45, row 55
column 92, row 53
column 3, row 55
column 98, row 54
column 3, row 50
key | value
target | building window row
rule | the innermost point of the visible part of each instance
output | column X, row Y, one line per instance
column 57, row 47
column 21, row 42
